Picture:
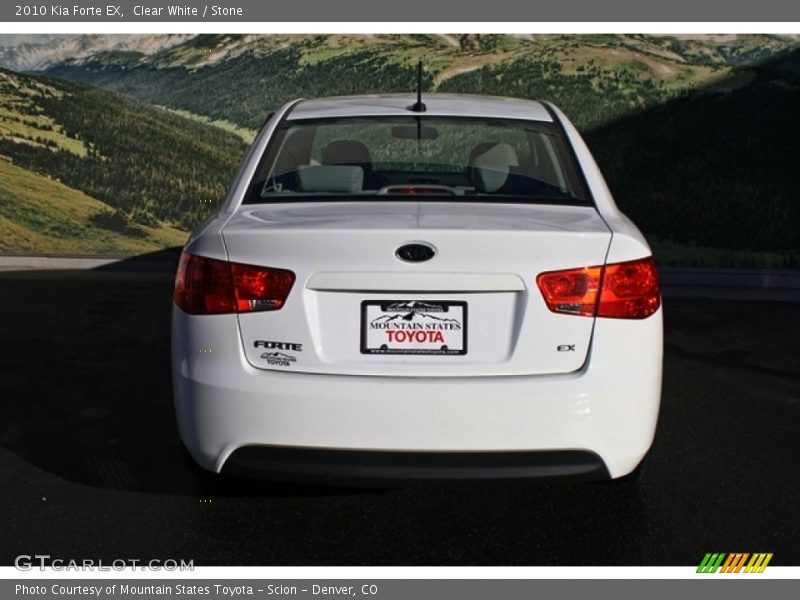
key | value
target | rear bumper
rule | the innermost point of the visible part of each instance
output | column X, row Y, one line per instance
column 609, row 409
column 389, row 468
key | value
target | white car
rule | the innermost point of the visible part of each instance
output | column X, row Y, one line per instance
column 397, row 291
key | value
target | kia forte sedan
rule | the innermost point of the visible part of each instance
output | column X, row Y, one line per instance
column 397, row 291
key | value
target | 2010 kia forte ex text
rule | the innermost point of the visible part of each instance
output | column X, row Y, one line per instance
column 400, row 289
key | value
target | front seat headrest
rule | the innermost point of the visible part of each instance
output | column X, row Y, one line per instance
column 489, row 165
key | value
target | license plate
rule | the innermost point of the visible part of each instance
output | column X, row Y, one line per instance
column 413, row 327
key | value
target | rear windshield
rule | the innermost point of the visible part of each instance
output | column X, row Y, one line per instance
column 417, row 156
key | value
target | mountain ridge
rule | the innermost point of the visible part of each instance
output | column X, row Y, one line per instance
column 240, row 78
column 36, row 56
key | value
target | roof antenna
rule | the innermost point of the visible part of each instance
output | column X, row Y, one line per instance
column 418, row 106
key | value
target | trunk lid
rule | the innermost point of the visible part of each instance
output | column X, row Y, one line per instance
column 477, row 297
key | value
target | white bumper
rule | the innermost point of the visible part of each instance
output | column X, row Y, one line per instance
column 609, row 407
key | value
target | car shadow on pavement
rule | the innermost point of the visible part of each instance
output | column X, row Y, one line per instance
column 86, row 380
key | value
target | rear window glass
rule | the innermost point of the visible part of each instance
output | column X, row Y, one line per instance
column 417, row 156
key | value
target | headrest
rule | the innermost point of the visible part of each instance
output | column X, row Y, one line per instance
column 345, row 152
column 490, row 164
column 330, row 178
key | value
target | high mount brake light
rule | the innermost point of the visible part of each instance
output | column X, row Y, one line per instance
column 206, row 286
column 626, row 290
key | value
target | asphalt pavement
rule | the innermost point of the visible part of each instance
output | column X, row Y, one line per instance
column 91, row 465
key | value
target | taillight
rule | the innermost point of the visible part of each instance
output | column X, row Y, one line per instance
column 205, row 286
column 627, row 290
column 630, row 290
column 573, row 292
column 260, row 288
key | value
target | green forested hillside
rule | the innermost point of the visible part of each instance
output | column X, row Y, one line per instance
column 697, row 135
column 39, row 214
column 714, row 169
column 148, row 165
column 597, row 78
column 245, row 88
column 242, row 78
column 592, row 96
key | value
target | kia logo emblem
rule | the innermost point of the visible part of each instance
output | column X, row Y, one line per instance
column 415, row 252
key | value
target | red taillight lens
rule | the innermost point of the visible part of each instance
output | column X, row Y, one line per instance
column 627, row 290
column 573, row 292
column 203, row 286
column 206, row 286
column 260, row 288
column 630, row 290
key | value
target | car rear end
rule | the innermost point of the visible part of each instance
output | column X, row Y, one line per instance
column 427, row 321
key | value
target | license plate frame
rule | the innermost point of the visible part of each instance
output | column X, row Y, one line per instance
column 448, row 317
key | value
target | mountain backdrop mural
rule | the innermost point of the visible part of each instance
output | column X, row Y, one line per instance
column 123, row 143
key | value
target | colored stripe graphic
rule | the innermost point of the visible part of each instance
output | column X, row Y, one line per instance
column 734, row 562
column 711, row 562
column 758, row 563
